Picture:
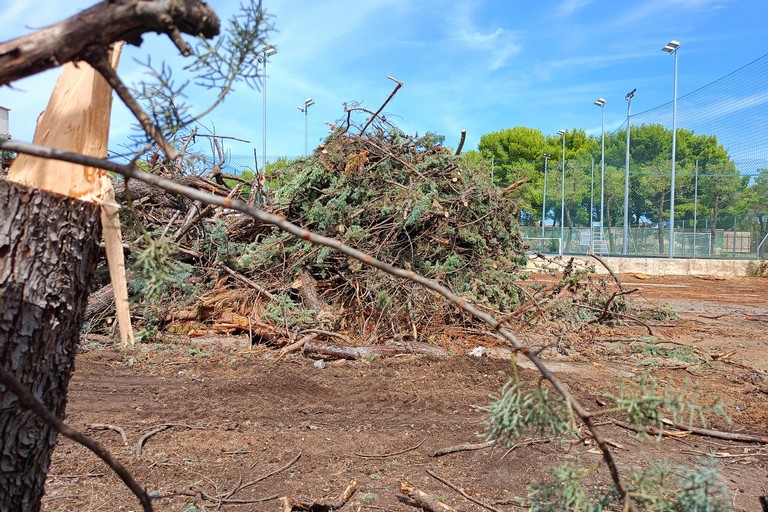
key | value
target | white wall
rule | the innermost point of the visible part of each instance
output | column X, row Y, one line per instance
column 4, row 122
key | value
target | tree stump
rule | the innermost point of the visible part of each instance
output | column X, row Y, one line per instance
column 48, row 250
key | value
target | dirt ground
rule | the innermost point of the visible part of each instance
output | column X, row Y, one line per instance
column 247, row 426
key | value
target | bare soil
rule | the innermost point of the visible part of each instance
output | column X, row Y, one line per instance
column 237, row 415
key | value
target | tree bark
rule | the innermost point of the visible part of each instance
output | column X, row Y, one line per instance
column 48, row 249
column 99, row 26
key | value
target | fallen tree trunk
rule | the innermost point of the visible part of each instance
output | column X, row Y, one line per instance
column 48, row 249
column 99, row 26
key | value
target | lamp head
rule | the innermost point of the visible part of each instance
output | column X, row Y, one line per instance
column 600, row 102
column 671, row 46
column 561, row 132
column 309, row 102
column 270, row 51
column 630, row 94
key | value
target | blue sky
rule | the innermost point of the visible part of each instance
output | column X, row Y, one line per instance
column 479, row 65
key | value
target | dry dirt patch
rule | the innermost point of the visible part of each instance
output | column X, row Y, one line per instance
column 237, row 416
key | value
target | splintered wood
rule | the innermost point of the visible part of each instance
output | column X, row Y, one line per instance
column 77, row 119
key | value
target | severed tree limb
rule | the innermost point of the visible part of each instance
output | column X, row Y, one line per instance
column 34, row 404
column 389, row 98
column 461, row 491
column 461, row 142
column 425, row 501
column 132, row 171
column 101, row 25
column 509, row 188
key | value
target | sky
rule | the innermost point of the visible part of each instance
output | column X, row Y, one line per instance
column 479, row 65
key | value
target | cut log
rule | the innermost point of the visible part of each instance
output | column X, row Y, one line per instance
column 48, row 250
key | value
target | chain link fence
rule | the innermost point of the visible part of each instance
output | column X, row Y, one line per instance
column 717, row 214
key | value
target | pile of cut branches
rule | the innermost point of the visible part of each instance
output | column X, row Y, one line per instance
column 405, row 200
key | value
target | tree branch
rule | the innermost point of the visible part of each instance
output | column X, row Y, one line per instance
column 101, row 25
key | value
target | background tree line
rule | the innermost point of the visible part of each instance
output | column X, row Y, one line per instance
column 707, row 179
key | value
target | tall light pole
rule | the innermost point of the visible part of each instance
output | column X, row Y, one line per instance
column 307, row 103
column 562, row 195
column 672, row 48
column 625, row 244
column 544, row 199
column 600, row 102
column 268, row 52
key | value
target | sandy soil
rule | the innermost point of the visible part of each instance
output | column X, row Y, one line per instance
column 236, row 416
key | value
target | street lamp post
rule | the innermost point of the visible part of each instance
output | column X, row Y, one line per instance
column 307, row 103
column 601, row 103
column 625, row 243
column 672, row 48
column 562, row 196
column 268, row 52
column 544, row 199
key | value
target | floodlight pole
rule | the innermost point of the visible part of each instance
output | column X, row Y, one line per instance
column 625, row 243
column 307, row 103
column 544, row 199
column 562, row 196
column 268, row 52
column 672, row 48
column 601, row 103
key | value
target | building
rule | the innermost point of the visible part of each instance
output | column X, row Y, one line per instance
column 4, row 123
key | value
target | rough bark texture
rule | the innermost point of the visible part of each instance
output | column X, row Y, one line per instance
column 100, row 26
column 48, row 248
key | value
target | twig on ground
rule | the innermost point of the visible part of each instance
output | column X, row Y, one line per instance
column 461, row 491
column 34, row 404
column 140, row 443
column 107, row 426
column 463, row 448
column 321, row 505
column 272, row 473
column 718, row 434
column 526, row 442
column 392, row 454
column 159, row 428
